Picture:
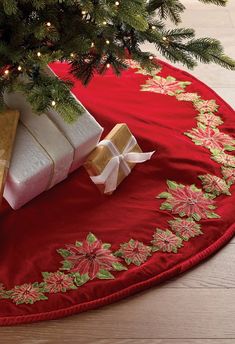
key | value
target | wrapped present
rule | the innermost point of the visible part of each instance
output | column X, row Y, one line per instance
column 46, row 150
column 8, row 124
column 114, row 158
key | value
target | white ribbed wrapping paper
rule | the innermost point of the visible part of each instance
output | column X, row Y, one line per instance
column 46, row 150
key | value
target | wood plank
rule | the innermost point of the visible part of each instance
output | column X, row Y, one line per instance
column 160, row 313
column 216, row 272
column 55, row 340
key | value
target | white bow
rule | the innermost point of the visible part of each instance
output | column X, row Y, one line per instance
column 109, row 175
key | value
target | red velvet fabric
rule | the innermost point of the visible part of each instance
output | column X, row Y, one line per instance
column 30, row 236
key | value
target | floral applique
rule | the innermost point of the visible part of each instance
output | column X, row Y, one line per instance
column 228, row 174
column 132, row 64
column 166, row 241
column 206, row 106
column 211, row 138
column 169, row 86
column 188, row 97
column 56, row 282
column 185, row 228
column 90, row 257
column 209, row 119
column 3, row 292
column 134, row 252
column 214, row 185
column 223, row 158
column 27, row 293
column 189, row 201
column 144, row 71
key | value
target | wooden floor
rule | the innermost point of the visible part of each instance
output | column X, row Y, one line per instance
column 195, row 308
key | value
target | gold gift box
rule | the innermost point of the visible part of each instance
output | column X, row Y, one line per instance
column 8, row 124
column 101, row 155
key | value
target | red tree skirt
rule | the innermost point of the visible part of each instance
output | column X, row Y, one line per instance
column 39, row 239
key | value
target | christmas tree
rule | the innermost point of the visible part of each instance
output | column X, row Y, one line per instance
column 92, row 35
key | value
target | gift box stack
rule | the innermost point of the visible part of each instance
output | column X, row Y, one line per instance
column 46, row 150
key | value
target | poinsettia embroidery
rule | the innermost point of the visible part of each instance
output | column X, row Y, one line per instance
column 206, row 105
column 228, row 174
column 209, row 119
column 222, row 158
column 27, row 293
column 132, row 64
column 57, row 282
column 169, row 85
column 144, row 71
column 185, row 228
column 188, row 97
column 90, row 257
column 188, row 201
column 134, row 252
column 211, row 138
column 214, row 184
column 3, row 291
column 166, row 241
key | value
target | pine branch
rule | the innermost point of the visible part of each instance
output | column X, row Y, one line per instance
column 216, row 2
column 93, row 35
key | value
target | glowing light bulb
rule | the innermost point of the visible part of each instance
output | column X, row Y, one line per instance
column 72, row 54
column 108, row 65
column 53, row 103
column 83, row 12
column 107, row 41
column 6, row 72
column 104, row 22
column 150, row 57
column 39, row 54
column 164, row 38
column 48, row 24
column 117, row 3
column 153, row 27
column 19, row 68
column 92, row 44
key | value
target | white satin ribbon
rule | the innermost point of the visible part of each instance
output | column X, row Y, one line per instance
column 109, row 176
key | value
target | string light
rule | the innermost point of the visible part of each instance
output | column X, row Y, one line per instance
column 39, row 54
column 108, row 65
column 53, row 103
column 83, row 12
column 92, row 44
column 72, row 54
column 104, row 22
column 48, row 24
column 19, row 68
column 6, row 72
column 153, row 27
column 166, row 41
column 117, row 3
column 151, row 57
column 107, row 41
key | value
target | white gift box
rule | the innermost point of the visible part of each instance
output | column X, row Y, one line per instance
column 46, row 150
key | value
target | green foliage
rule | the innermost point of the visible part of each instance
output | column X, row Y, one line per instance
column 92, row 35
